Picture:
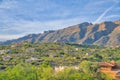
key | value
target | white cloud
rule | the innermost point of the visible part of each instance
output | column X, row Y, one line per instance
column 7, row 4
column 21, row 17
column 40, row 26
column 104, row 13
column 9, row 37
column 28, row 27
column 116, row 1
column 112, row 16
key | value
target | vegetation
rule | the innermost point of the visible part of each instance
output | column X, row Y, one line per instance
column 46, row 72
column 37, row 61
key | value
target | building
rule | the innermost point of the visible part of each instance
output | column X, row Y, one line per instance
column 111, row 69
column 2, row 51
column 61, row 68
column 6, row 58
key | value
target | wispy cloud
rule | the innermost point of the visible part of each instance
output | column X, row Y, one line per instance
column 116, row 1
column 26, row 27
column 105, row 12
column 112, row 16
column 21, row 17
column 7, row 4
column 8, row 37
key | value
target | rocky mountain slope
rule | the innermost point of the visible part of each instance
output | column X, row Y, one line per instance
column 106, row 33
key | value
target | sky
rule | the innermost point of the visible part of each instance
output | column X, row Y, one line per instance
column 22, row 17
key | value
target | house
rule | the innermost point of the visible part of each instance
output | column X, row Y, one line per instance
column 106, row 66
column 2, row 51
column 6, row 58
column 61, row 68
column 33, row 59
column 111, row 69
column 9, row 51
column 76, row 49
column 30, row 50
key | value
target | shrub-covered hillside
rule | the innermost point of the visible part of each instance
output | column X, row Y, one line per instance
column 37, row 61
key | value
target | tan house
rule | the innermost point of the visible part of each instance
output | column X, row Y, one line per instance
column 111, row 69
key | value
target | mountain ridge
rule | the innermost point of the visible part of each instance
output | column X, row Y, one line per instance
column 106, row 33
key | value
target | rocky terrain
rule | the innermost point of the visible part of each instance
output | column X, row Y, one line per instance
column 106, row 33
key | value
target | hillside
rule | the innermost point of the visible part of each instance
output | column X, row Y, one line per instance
column 106, row 33
column 69, row 61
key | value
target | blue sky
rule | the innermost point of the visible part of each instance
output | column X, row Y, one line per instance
column 22, row 17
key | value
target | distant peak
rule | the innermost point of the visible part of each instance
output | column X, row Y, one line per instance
column 49, row 31
column 85, row 24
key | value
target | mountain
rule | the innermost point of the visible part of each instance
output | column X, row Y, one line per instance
column 106, row 33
